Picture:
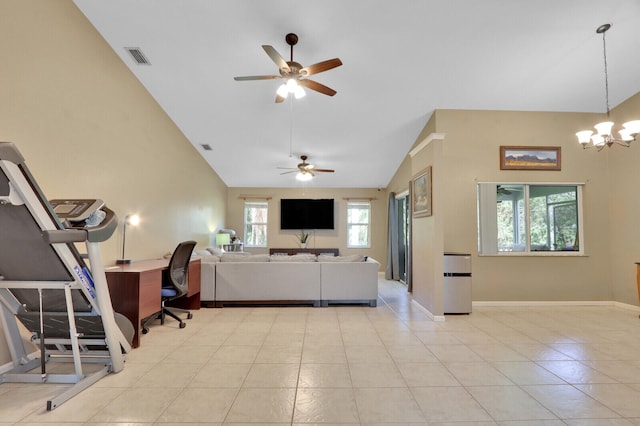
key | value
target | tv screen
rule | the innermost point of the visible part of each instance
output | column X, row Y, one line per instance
column 298, row 213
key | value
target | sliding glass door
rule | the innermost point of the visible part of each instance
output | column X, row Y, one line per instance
column 402, row 206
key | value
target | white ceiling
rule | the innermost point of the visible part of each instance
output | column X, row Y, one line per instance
column 402, row 59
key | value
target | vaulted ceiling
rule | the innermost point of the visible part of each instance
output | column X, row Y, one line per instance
column 402, row 59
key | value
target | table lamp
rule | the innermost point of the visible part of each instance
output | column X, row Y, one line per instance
column 133, row 220
column 222, row 240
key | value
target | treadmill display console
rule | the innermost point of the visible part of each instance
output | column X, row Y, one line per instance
column 75, row 210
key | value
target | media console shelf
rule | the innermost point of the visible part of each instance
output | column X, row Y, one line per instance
column 316, row 251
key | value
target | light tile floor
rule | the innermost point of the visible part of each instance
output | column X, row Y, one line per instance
column 359, row 365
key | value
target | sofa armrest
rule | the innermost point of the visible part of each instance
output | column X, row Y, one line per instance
column 207, row 281
column 350, row 281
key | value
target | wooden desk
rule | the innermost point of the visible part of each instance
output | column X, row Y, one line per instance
column 135, row 290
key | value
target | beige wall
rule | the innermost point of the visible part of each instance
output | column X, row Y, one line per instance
column 88, row 129
column 336, row 238
column 426, row 232
column 471, row 154
column 624, row 209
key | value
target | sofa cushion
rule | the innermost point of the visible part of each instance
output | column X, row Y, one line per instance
column 300, row 257
column 350, row 258
column 244, row 257
column 210, row 259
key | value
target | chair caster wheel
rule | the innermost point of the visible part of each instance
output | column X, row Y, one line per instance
column 182, row 325
column 145, row 330
column 190, row 315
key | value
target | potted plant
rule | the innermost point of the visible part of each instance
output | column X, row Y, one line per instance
column 303, row 238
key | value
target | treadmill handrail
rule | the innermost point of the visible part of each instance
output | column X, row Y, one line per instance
column 65, row 236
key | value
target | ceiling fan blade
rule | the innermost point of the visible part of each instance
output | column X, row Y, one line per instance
column 321, row 67
column 314, row 85
column 257, row 77
column 324, row 170
column 286, row 173
column 286, row 168
column 276, row 57
column 279, row 99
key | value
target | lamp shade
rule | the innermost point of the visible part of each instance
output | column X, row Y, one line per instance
column 291, row 85
column 632, row 126
column 222, row 239
column 282, row 91
column 604, row 128
column 584, row 136
column 625, row 135
column 299, row 92
column 304, row 176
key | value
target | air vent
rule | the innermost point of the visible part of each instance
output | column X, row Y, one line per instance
column 138, row 56
column 206, row 147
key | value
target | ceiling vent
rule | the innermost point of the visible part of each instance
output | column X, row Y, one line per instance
column 206, row 147
column 138, row 56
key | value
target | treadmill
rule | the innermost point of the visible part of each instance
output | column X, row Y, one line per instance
column 59, row 295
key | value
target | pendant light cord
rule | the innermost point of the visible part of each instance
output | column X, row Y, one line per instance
column 606, row 74
column 291, row 128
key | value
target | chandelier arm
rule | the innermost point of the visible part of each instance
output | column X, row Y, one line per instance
column 626, row 144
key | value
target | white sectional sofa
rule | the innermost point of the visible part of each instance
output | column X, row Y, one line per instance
column 287, row 280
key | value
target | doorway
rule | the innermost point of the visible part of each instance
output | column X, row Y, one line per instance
column 402, row 207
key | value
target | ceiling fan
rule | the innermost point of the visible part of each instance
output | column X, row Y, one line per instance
column 295, row 74
column 306, row 171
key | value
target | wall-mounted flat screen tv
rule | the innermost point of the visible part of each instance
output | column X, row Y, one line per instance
column 302, row 213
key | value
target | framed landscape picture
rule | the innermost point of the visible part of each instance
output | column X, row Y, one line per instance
column 421, row 193
column 529, row 158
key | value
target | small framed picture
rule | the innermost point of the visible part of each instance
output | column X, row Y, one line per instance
column 530, row 158
column 421, row 193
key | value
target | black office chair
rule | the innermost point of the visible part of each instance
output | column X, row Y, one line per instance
column 175, row 280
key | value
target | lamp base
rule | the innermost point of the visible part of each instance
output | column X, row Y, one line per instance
column 123, row 261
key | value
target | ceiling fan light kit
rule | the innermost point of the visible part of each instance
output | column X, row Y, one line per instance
column 604, row 135
column 295, row 74
column 304, row 176
column 291, row 86
column 305, row 171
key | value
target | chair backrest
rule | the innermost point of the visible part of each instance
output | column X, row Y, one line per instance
column 178, row 270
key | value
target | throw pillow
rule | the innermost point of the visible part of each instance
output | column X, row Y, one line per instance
column 351, row 258
column 244, row 257
column 300, row 257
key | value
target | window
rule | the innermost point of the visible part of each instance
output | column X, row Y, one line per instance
column 358, row 224
column 255, row 223
column 529, row 218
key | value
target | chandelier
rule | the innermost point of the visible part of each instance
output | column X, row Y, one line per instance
column 604, row 136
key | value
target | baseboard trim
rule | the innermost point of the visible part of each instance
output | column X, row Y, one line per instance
column 542, row 303
column 435, row 318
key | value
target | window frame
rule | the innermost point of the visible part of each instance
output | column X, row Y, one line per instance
column 359, row 203
column 528, row 252
column 247, row 205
